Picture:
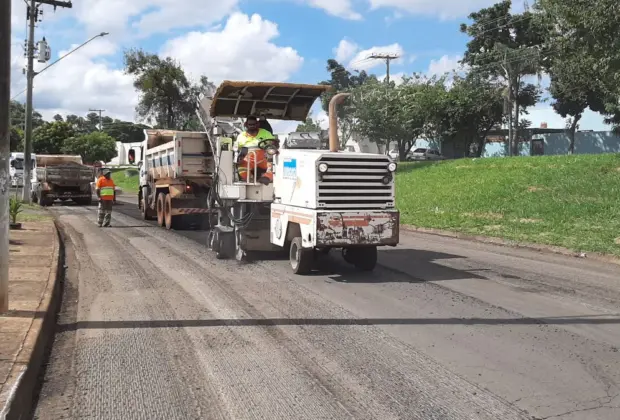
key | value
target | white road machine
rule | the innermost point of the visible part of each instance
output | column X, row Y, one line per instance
column 318, row 200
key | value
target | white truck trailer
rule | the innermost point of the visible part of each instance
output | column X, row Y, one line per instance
column 176, row 172
column 319, row 199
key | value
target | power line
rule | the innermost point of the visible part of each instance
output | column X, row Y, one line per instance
column 100, row 111
column 387, row 57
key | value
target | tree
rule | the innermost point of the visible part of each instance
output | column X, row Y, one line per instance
column 341, row 80
column 394, row 114
column 18, row 116
column 585, row 57
column 50, row 137
column 309, row 126
column 93, row 147
column 125, row 131
column 17, row 139
column 465, row 113
column 507, row 47
column 58, row 117
column 167, row 96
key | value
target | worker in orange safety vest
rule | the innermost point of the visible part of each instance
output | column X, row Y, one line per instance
column 106, row 192
column 250, row 155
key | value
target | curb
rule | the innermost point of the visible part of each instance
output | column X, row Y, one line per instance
column 41, row 333
column 546, row 249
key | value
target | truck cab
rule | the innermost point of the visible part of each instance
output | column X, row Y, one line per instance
column 320, row 198
column 16, row 168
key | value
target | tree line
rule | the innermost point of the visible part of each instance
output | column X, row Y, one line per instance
column 573, row 42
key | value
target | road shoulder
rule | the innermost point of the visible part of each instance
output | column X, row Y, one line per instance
column 35, row 270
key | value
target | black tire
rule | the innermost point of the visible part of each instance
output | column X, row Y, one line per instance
column 145, row 212
column 161, row 199
column 301, row 258
column 364, row 259
column 223, row 245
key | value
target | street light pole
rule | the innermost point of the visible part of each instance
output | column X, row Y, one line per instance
column 33, row 11
column 5, row 149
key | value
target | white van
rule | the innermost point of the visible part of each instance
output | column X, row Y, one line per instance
column 16, row 168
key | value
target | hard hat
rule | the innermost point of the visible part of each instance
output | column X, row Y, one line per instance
column 105, row 171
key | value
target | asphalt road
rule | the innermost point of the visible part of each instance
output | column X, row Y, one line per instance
column 153, row 327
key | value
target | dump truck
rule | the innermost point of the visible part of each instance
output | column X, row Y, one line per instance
column 176, row 173
column 61, row 177
column 320, row 199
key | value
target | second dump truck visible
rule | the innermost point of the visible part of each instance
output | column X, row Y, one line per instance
column 176, row 172
column 61, row 177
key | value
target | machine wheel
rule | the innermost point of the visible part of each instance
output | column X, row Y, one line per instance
column 241, row 254
column 172, row 222
column 362, row 258
column 301, row 258
column 161, row 200
column 221, row 245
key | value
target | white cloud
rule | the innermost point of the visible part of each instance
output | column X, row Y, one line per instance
column 397, row 78
column 149, row 17
column 243, row 50
column 345, row 50
column 362, row 62
column 81, row 81
column 339, row 8
column 446, row 64
column 444, row 9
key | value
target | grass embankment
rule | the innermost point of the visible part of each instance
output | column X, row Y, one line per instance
column 127, row 179
column 567, row 201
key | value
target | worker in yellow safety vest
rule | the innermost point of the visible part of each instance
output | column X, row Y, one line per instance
column 249, row 153
column 106, row 192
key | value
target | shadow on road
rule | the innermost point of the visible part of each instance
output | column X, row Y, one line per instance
column 275, row 322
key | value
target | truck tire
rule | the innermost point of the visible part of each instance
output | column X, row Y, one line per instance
column 145, row 211
column 301, row 258
column 170, row 221
column 364, row 259
column 161, row 202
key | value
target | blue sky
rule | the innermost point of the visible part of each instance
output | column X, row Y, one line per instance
column 241, row 39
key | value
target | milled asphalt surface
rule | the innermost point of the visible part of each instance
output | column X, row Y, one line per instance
column 154, row 327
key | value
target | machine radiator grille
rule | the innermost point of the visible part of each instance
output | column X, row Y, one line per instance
column 355, row 182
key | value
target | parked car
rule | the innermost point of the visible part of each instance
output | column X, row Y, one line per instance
column 394, row 154
column 423, row 153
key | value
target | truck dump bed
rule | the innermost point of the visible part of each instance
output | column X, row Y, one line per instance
column 63, row 170
column 176, row 154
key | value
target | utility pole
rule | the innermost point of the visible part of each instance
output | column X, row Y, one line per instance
column 387, row 58
column 32, row 14
column 5, row 147
column 100, row 117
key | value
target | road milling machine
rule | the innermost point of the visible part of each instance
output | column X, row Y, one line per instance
column 317, row 200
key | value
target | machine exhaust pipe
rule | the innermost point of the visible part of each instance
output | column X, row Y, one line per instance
column 333, row 120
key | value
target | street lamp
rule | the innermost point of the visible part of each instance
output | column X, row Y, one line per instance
column 26, row 196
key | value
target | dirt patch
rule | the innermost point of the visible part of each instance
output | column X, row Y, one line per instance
column 617, row 241
column 535, row 189
column 487, row 215
column 530, row 220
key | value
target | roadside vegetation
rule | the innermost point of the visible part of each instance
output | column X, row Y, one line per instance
column 127, row 179
column 568, row 201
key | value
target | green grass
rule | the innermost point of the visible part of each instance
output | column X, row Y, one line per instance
column 129, row 184
column 568, row 201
